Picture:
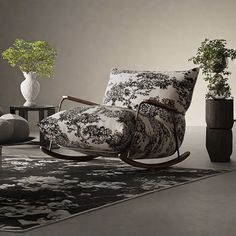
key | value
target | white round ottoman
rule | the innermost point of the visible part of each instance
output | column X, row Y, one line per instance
column 19, row 126
column 6, row 131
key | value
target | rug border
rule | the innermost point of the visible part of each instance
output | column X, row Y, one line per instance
column 221, row 172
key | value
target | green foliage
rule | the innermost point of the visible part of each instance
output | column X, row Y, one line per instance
column 36, row 56
column 212, row 57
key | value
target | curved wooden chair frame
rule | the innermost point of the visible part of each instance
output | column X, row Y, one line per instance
column 125, row 156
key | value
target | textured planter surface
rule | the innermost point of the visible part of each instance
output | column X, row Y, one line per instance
column 219, row 144
column 220, row 113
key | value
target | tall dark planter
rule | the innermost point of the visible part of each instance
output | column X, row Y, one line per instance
column 220, row 120
column 220, row 113
column 219, row 144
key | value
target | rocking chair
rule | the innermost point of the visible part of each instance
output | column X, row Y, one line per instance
column 142, row 117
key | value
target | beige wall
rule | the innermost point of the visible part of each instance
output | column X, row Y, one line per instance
column 92, row 36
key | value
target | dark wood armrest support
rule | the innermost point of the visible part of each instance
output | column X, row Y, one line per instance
column 75, row 99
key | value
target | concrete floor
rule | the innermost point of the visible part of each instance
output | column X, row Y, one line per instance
column 203, row 208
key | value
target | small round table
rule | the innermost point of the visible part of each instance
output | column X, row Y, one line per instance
column 23, row 112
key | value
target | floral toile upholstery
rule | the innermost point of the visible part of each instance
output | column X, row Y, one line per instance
column 112, row 128
column 127, row 88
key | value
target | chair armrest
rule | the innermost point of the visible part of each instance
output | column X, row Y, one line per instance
column 75, row 99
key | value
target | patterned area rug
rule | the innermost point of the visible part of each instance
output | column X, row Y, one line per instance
column 39, row 191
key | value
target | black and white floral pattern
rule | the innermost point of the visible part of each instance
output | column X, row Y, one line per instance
column 92, row 128
column 127, row 88
column 110, row 128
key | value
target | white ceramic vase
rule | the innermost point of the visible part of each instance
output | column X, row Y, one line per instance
column 30, row 88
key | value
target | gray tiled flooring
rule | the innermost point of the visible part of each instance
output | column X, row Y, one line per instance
column 202, row 208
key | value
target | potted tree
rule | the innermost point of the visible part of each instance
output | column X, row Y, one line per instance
column 34, row 59
column 212, row 57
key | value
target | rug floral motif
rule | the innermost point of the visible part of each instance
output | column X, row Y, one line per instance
column 39, row 191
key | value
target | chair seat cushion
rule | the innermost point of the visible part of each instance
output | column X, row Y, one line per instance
column 108, row 130
column 91, row 127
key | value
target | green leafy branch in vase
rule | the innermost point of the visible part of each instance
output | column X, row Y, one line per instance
column 36, row 56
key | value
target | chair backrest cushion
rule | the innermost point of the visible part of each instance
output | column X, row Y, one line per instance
column 127, row 88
